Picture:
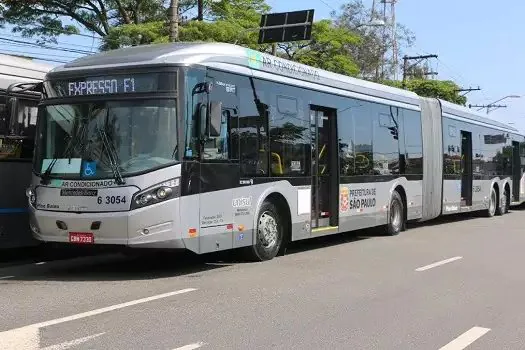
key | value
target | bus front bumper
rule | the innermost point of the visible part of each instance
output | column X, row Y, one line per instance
column 155, row 226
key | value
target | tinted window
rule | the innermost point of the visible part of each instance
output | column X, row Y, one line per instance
column 413, row 142
column 386, row 145
column 195, row 99
column 452, row 149
column 225, row 94
column 363, row 121
column 24, row 125
column 252, row 128
column 345, row 125
column 289, row 131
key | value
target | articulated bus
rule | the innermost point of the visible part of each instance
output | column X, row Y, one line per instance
column 18, row 116
column 211, row 146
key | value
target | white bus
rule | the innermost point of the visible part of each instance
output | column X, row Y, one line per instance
column 210, row 146
column 18, row 114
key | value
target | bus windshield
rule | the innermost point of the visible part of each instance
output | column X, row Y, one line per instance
column 98, row 139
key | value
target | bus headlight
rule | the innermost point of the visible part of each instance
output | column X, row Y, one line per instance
column 31, row 195
column 156, row 194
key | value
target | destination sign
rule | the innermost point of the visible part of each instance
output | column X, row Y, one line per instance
column 113, row 84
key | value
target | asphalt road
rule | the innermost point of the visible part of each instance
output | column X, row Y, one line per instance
column 443, row 285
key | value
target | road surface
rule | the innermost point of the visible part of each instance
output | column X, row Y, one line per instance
column 451, row 284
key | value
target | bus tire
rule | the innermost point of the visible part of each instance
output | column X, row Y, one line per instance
column 396, row 215
column 269, row 233
column 503, row 207
column 493, row 203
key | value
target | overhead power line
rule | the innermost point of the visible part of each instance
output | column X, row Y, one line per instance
column 18, row 37
column 39, row 58
column 65, row 32
column 328, row 5
column 18, row 53
column 45, row 46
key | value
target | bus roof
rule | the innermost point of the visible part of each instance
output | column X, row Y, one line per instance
column 14, row 69
column 235, row 58
column 230, row 57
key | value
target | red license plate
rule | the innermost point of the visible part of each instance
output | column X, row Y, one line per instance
column 81, row 238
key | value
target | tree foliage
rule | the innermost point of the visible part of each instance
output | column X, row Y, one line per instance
column 226, row 21
column 443, row 89
column 47, row 19
column 328, row 49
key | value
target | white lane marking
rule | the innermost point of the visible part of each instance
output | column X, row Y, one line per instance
column 466, row 339
column 40, row 263
column 439, row 263
column 112, row 308
column 20, row 339
column 190, row 346
column 70, row 344
column 6, row 277
column 28, row 337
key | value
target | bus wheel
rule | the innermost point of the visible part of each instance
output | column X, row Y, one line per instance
column 492, row 203
column 396, row 215
column 269, row 233
column 503, row 207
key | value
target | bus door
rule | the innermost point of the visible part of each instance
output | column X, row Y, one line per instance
column 325, row 189
column 466, row 167
column 219, row 167
column 516, row 171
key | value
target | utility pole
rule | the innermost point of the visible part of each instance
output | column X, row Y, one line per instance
column 488, row 107
column 466, row 91
column 174, row 21
column 406, row 67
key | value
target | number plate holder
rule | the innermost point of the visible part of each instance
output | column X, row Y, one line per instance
column 81, row 237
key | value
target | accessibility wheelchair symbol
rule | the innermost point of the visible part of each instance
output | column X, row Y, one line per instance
column 90, row 168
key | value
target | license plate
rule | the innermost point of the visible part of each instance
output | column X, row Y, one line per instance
column 81, row 238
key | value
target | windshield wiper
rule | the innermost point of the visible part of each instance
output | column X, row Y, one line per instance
column 47, row 173
column 113, row 157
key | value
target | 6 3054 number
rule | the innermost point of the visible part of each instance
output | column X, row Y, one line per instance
column 111, row 199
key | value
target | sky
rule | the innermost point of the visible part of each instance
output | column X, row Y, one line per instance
column 478, row 43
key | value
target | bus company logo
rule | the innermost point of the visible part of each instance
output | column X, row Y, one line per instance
column 344, row 200
column 242, row 202
column 254, row 59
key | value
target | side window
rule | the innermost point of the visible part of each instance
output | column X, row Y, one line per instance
column 289, row 131
column 386, row 136
column 224, row 100
column 345, row 129
column 252, row 128
column 413, row 142
column 24, row 127
column 195, row 105
column 27, row 116
column 363, row 131
column 3, row 115
column 452, row 149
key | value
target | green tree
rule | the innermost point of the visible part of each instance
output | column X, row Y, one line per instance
column 329, row 49
column 443, row 89
column 230, row 21
column 47, row 19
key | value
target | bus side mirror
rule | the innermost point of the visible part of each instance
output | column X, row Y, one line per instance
column 12, row 112
column 203, row 113
column 214, row 119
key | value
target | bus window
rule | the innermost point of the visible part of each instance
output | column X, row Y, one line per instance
column 3, row 119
